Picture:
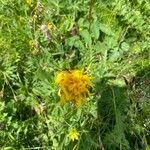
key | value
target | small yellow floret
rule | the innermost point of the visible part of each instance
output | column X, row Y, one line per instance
column 29, row 2
column 50, row 26
column 73, row 134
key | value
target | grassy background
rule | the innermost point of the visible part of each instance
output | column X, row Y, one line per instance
column 41, row 37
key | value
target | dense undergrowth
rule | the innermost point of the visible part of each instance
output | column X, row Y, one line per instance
column 109, row 39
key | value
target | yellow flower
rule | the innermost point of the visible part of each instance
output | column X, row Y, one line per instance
column 74, row 86
column 50, row 25
column 73, row 134
column 29, row 2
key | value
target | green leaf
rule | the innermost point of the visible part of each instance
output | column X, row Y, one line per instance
column 106, row 29
column 125, row 46
column 86, row 36
column 71, row 41
column 115, row 55
column 78, row 44
column 100, row 47
column 95, row 29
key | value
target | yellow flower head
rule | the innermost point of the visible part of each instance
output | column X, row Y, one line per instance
column 73, row 134
column 50, row 26
column 29, row 2
column 74, row 86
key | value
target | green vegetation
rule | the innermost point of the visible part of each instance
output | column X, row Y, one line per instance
column 109, row 39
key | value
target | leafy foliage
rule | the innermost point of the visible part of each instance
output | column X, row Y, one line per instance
column 108, row 39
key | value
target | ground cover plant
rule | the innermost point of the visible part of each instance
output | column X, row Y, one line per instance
column 75, row 74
